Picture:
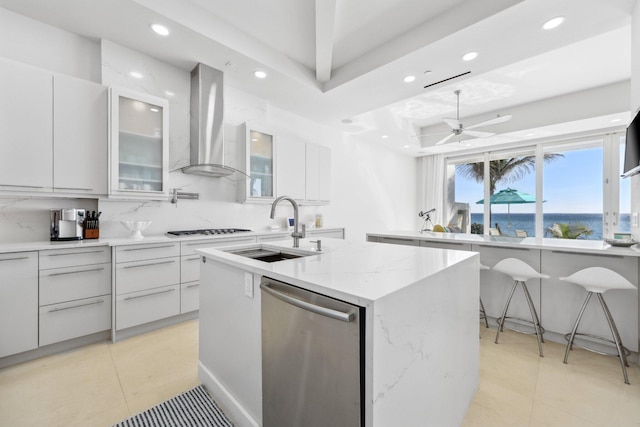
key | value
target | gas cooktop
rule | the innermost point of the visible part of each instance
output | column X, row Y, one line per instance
column 206, row 232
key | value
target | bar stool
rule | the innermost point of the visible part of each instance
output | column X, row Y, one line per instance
column 598, row 280
column 483, row 313
column 520, row 271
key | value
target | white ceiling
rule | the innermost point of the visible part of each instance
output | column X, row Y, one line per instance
column 331, row 60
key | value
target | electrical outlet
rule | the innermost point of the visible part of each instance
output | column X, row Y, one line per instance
column 635, row 219
column 248, row 285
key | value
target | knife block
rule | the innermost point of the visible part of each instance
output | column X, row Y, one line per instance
column 91, row 233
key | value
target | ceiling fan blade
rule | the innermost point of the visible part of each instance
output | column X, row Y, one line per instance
column 453, row 123
column 499, row 119
column 430, row 134
column 445, row 139
column 477, row 133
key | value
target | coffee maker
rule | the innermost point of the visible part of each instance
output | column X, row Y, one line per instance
column 66, row 224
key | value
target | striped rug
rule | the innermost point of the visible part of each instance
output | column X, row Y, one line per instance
column 193, row 408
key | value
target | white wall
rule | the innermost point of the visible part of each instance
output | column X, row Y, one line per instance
column 635, row 104
column 373, row 188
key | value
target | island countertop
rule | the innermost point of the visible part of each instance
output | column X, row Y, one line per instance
column 359, row 273
column 565, row 245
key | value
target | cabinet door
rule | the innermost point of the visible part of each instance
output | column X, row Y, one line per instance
column 139, row 155
column 258, row 156
column 18, row 302
column 318, row 173
column 26, row 128
column 291, row 168
column 80, row 146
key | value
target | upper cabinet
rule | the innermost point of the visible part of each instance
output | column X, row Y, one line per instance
column 80, row 145
column 304, row 171
column 318, row 174
column 139, row 149
column 258, row 160
column 26, row 128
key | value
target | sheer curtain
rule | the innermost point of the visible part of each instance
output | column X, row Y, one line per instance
column 431, row 182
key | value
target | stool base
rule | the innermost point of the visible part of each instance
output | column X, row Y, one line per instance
column 535, row 320
column 622, row 352
column 483, row 314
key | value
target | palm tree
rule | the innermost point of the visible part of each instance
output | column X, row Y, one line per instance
column 503, row 171
column 569, row 231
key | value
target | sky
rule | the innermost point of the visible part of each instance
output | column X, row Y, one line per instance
column 572, row 184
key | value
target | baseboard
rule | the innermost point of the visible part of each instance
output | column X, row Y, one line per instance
column 225, row 400
column 152, row 326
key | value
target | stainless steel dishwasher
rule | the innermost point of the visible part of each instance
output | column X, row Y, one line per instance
column 312, row 359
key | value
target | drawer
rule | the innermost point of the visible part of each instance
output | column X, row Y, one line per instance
column 189, row 297
column 188, row 248
column 189, row 268
column 146, row 306
column 74, row 283
column 141, row 275
column 60, row 322
column 273, row 237
column 150, row 251
column 329, row 234
column 59, row 258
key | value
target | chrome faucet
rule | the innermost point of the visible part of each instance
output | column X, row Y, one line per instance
column 297, row 235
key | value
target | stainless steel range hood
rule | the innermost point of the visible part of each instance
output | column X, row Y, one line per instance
column 207, row 125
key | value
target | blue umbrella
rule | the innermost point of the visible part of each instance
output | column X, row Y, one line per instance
column 508, row 197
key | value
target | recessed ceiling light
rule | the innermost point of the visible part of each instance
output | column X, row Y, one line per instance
column 409, row 79
column 406, row 146
column 615, row 120
column 553, row 23
column 160, row 29
column 385, row 136
column 470, row 56
column 155, row 110
column 254, row 139
column 260, row 74
column 136, row 75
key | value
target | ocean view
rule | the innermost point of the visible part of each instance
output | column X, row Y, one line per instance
column 526, row 222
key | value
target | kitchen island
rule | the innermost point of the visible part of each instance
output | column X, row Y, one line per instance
column 558, row 302
column 421, row 350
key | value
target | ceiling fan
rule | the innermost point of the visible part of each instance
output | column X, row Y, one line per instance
column 457, row 127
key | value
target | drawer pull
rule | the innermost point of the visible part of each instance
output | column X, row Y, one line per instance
column 21, row 186
column 147, row 247
column 195, row 285
column 587, row 253
column 448, row 243
column 14, row 259
column 100, row 301
column 78, row 253
column 74, row 272
column 508, row 248
column 151, row 294
column 73, row 188
column 193, row 259
column 150, row 263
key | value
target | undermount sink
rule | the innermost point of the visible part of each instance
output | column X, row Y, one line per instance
column 268, row 254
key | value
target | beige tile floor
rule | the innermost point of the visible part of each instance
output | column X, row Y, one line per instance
column 102, row 384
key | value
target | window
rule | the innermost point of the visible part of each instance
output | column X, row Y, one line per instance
column 583, row 195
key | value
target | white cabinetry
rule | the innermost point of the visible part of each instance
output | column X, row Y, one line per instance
column 80, row 145
column 317, row 173
column 139, row 149
column 329, row 233
column 190, row 268
column 26, row 128
column 147, row 283
column 74, row 293
column 18, row 302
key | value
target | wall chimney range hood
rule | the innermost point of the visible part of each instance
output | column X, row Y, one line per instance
column 207, row 124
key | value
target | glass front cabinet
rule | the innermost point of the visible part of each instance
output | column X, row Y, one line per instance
column 259, row 164
column 139, row 149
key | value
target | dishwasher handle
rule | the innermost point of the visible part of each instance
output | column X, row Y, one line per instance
column 323, row 311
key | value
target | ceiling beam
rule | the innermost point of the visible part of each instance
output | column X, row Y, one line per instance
column 325, row 23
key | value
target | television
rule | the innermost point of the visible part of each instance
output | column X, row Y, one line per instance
column 632, row 148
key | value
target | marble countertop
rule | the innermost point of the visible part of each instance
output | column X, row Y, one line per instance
column 565, row 245
column 120, row 241
column 359, row 273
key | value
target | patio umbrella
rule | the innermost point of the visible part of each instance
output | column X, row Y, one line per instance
column 508, row 197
